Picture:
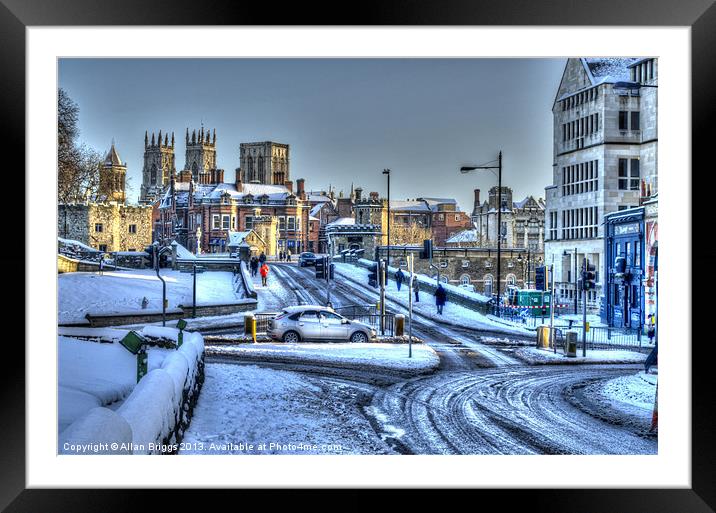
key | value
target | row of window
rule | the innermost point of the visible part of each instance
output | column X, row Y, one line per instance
column 578, row 99
column 643, row 72
column 580, row 127
column 99, row 228
column 580, row 178
column 553, row 225
column 579, row 223
column 568, row 294
column 228, row 222
column 629, row 120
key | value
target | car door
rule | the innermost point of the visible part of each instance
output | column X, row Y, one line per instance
column 332, row 327
column 309, row 325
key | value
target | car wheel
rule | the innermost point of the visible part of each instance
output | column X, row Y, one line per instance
column 291, row 337
column 359, row 337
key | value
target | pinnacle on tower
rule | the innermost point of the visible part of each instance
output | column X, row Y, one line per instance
column 153, row 139
column 146, row 139
column 187, row 136
column 159, row 139
column 193, row 136
column 215, row 137
column 172, row 139
column 166, row 139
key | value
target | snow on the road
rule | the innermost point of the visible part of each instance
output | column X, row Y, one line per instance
column 276, row 294
column 252, row 410
column 452, row 312
column 122, row 291
column 534, row 355
column 370, row 355
column 94, row 374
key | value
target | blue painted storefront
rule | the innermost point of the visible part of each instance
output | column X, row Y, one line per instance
column 623, row 302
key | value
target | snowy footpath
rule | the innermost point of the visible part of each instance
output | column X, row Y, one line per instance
column 251, row 410
column 124, row 291
column 368, row 356
column 536, row 356
column 452, row 312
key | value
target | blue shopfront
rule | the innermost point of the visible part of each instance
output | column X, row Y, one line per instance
column 623, row 302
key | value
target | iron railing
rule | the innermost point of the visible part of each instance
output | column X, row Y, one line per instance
column 604, row 337
column 262, row 320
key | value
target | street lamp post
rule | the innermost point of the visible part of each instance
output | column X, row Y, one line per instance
column 387, row 173
column 467, row 169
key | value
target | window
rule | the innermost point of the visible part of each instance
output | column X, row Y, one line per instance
column 511, row 279
column 281, row 223
column 634, row 182
column 291, row 223
column 98, row 227
column 465, row 264
column 441, row 217
column 103, row 247
column 225, row 220
column 623, row 120
column 623, row 182
column 249, row 222
column 132, row 228
column 487, row 280
column 635, row 120
column 215, row 220
column 457, row 217
column 465, row 279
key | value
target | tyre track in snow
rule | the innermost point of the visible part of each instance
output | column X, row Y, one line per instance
column 505, row 411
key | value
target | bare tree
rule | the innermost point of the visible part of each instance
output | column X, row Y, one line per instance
column 77, row 165
column 411, row 233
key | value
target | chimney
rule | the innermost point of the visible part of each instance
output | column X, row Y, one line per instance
column 374, row 196
column 476, row 206
column 300, row 184
column 239, row 183
column 358, row 193
column 220, row 175
column 289, row 185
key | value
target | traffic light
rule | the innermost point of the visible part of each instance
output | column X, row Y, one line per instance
column 589, row 278
column 321, row 268
column 427, row 251
column 331, row 270
column 373, row 275
column 540, row 281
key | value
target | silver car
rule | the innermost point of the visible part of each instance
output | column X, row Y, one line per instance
column 307, row 322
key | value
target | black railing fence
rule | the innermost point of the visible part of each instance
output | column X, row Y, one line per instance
column 603, row 337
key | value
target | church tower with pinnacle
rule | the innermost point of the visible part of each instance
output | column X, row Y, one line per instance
column 200, row 153
column 159, row 166
column 112, row 178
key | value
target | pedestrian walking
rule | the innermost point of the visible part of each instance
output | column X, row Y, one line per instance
column 399, row 277
column 288, row 256
column 440, row 298
column 101, row 264
column 264, row 274
column 416, row 289
column 145, row 303
column 262, row 259
column 254, row 265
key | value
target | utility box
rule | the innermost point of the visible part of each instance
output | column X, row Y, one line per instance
column 570, row 344
column 399, row 325
column 536, row 301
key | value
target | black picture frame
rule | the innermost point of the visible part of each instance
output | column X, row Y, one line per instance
column 700, row 15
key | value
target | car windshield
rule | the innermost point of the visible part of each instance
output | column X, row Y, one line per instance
column 308, row 255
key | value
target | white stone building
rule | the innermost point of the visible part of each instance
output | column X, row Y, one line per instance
column 605, row 150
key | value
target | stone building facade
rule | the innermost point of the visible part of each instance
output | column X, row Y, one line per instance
column 159, row 166
column 200, row 156
column 605, row 148
column 112, row 178
column 522, row 221
column 264, row 162
column 107, row 227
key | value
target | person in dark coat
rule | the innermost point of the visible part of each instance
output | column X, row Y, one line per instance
column 440, row 298
column 262, row 258
column 254, row 264
column 399, row 278
column 416, row 289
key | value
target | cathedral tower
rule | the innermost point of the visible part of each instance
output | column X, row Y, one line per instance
column 112, row 177
column 159, row 166
column 265, row 162
column 200, row 153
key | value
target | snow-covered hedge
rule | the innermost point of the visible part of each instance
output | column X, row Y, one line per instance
column 159, row 409
column 94, row 432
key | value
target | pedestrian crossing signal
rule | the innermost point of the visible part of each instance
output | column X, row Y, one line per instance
column 321, row 268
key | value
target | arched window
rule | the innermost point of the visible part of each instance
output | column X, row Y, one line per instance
column 511, row 279
column 444, row 279
column 487, row 283
column 465, row 279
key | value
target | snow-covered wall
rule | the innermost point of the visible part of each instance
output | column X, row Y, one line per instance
column 248, row 283
column 157, row 412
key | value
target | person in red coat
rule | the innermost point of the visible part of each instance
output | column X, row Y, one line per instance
column 264, row 274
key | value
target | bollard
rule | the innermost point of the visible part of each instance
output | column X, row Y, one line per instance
column 543, row 337
column 399, row 325
column 570, row 344
column 250, row 325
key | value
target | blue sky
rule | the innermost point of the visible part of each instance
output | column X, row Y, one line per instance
column 345, row 119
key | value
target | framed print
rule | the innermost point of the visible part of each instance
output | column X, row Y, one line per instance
column 420, row 251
